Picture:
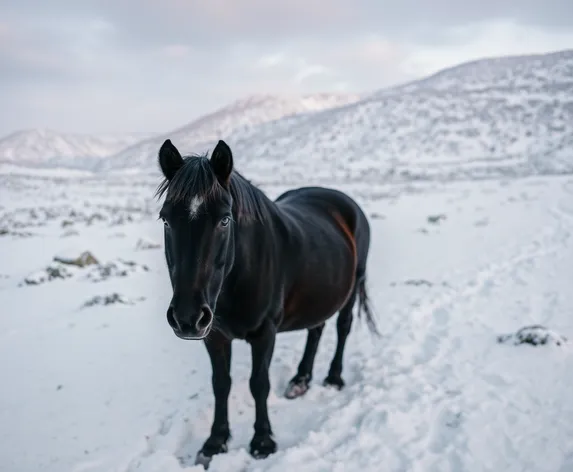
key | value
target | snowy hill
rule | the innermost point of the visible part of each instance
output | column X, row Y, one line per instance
column 524, row 72
column 506, row 116
column 239, row 118
column 43, row 148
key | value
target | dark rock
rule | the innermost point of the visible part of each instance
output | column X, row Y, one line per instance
column 535, row 335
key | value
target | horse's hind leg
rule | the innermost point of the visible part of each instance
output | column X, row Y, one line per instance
column 343, row 324
column 300, row 383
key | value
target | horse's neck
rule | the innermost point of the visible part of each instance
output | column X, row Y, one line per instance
column 260, row 233
column 261, row 241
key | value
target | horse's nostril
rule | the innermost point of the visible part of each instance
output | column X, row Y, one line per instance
column 204, row 319
column 171, row 318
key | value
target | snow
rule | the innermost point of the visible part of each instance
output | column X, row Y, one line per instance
column 48, row 172
column 105, row 386
column 467, row 177
column 240, row 117
column 45, row 148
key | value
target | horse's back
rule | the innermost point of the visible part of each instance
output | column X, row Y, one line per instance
column 333, row 204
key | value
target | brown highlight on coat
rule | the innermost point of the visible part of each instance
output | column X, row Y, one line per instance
column 348, row 233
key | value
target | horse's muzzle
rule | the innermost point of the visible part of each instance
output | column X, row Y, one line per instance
column 193, row 326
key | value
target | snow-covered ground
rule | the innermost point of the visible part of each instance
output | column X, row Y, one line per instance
column 109, row 388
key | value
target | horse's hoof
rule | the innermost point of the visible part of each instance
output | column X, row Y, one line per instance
column 296, row 389
column 203, row 460
column 209, row 449
column 262, row 447
column 334, row 381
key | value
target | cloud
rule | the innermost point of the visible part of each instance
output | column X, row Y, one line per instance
column 365, row 62
column 483, row 40
column 177, row 51
column 42, row 50
column 310, row 71
column 104, row 65
column 271, row 60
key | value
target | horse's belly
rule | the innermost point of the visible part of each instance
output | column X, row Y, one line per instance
column 311, row 304
column 324, row 273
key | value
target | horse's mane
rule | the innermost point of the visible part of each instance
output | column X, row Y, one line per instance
column 197, row 178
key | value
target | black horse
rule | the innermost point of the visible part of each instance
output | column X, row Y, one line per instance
column 245, row 267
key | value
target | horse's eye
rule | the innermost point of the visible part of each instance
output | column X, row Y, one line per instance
column 225, row 221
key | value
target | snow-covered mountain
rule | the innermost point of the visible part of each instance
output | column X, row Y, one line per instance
column 511, row 116
column 514, row 72
column 502, row 116
column 47, row 148
column 239, row 118
column 492, row 117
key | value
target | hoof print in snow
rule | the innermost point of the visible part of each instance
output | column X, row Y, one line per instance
column 535, row 335
column 435, row 219
column 144, row 244
column 453, row 420
column 114, row 298
column 84, row 259
column 377, row 216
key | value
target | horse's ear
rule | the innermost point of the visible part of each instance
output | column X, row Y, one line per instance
column 222, row 162
column 170, row 159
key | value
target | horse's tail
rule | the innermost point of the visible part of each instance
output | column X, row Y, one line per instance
column 364, row 304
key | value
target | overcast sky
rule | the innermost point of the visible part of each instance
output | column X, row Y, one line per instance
column 152, row 65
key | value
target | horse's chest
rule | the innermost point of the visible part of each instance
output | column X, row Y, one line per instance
column 240, row 315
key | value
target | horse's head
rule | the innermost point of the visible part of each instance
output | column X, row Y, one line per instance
column 198, row 234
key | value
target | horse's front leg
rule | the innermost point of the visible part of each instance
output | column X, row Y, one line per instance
column 262, row 346
column 219, row 348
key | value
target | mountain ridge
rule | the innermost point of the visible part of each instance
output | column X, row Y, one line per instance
column 45, row 147
column 239, row 116
column 507, row 115
column 504, row 117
